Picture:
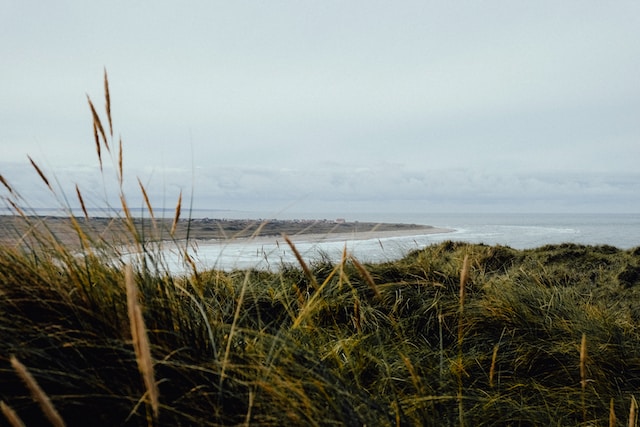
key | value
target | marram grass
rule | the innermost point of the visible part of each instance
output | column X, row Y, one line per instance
column 454, row 334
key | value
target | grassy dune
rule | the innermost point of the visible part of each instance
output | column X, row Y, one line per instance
column 386, row 344
column 455, row 334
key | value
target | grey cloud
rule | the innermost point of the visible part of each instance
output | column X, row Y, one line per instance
column 379, row 185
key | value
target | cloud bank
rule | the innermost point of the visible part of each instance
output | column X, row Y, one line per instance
column 340, row 188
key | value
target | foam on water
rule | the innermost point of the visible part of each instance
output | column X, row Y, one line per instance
column 518, row 231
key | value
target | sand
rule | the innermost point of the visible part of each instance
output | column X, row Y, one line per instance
column 18, row 229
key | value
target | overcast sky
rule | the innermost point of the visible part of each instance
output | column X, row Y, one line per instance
column 328, row 105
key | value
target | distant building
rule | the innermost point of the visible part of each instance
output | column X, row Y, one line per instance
column 340, row 221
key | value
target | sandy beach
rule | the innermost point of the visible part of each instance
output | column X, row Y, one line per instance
column 335, row 237
column 115, row 230
column 272, row 251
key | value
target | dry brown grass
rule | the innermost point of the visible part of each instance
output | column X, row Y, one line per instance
column 302, row 262
column 82, row 204
column 107, row 103
column 6, row 185
column 40, row 173
column 141, row 344
column 583, row 374
column 366, row 276
column 176, row 216
column 97, row 123
column 37, row 393
column 492, row 369
column 11, row 415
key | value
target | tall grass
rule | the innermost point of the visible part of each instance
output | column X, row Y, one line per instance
column 454, row 334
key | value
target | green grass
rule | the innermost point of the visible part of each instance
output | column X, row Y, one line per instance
column 321, row 344
column 269, row 348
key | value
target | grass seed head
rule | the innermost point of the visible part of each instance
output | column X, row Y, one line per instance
column 11, row 415
column 6, row 184
column 176, row 217
column 98, row 124
column 583, row 361
column 107, row 98
column 303, row 264
column 37, row 393
column 366, row 276
column 42, row 175
column 97, row 140
column 82, row 205
column 120, row 170
column 140, row 340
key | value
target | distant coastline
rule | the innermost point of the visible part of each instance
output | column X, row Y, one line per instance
column 14, row 228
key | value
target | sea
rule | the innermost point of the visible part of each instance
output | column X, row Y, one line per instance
column 519, row 231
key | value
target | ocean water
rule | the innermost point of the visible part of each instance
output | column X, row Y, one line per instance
column 522, row 231
column 519, row 231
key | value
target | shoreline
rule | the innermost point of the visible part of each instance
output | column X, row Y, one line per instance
column 330, row 237
column 14, row 229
